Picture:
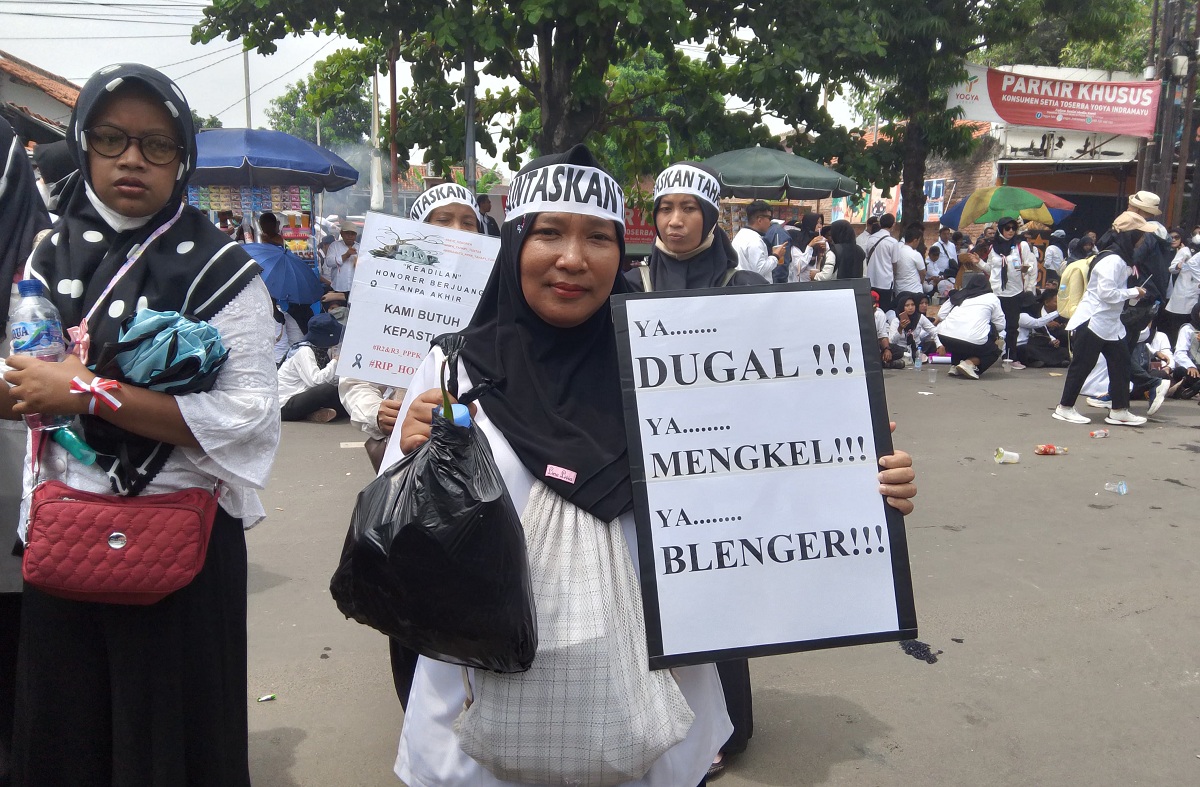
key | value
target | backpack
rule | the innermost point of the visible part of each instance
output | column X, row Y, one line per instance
column 1073, row 284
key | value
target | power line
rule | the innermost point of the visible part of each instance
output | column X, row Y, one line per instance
column 37, row 15
column 281, row 76
column 91, row 37
column 206, row 54
column 210, row 65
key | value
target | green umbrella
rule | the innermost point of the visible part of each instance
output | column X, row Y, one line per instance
column 766, row 173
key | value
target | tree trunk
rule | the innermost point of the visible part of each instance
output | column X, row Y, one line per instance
column 912, row 188
column 566, row 116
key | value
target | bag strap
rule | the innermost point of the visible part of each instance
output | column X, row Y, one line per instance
column 644, row 270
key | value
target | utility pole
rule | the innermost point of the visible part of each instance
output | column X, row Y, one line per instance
column 376, row 159
column 246, row 72
column 1175, row 207
column 392, row 57
column 469, row 103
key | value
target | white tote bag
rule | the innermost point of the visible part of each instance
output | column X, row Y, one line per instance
column 590, row 711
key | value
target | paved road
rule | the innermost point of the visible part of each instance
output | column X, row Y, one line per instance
column 1067, row 618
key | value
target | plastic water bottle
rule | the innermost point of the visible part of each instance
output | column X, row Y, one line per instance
column 1049, row 449
column 1099, row 433
column 37, row 332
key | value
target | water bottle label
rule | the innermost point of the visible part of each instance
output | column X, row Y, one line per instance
column 37, row 336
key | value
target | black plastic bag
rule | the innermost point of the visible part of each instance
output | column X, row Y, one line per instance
column 435, row 556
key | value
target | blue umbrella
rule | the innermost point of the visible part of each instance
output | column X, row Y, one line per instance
column 165, row 352
column 288, row 278
column 259, row 157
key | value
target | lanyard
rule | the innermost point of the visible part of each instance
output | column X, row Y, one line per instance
column 79, row 335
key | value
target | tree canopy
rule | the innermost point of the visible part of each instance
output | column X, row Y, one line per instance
column 343, row 109
column 614, row 73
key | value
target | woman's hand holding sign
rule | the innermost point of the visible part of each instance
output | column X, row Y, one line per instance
column 896, row 481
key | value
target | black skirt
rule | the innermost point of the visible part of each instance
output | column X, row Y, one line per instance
column 138, row 696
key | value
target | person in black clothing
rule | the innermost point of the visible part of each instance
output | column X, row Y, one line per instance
column 490, row 227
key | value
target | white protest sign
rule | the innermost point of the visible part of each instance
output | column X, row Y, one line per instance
column 413, row 282
column 756, row 417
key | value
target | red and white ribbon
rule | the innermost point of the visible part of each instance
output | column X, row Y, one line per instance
column 99, row 389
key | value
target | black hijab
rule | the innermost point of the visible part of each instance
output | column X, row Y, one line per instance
column 706, row 268
column 849, row 255
column 22, row 212
column 1000, row 245
column 558, row 394
column 191, row 267
column 974, row 285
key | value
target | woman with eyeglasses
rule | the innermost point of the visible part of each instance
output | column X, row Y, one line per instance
column 1012, row 268
column 122, row 694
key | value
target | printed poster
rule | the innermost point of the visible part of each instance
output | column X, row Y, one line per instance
column 413, row 282
column 754, row 450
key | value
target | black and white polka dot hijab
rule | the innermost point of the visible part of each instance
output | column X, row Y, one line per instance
column 183, row 262
column 192, row 267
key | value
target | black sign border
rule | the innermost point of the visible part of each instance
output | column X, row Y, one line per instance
column 906, row 614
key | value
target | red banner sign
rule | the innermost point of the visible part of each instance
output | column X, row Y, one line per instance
column 1023, row 100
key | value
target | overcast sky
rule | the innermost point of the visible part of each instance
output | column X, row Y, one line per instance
column 74, row 38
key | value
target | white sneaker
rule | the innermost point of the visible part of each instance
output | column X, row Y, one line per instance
column 1158, row 395
column 968, row 370
column 1100, row 402
column 1070, row 414
column 954, row 372
column 1124, row 418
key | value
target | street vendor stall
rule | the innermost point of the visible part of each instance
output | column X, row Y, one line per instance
column 253, row 171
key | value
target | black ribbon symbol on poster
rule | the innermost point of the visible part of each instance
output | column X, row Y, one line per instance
column 358, row 361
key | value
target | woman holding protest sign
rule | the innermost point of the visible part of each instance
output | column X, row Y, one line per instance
column 691, row 252
column 555, row 424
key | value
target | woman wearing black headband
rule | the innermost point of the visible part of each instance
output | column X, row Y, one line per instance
column 544, row 331
column 374, row 408
column 156, row 694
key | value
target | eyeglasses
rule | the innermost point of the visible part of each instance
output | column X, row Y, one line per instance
column 112, row 142
column 1008, row 227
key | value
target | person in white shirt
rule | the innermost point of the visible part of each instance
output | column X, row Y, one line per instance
column 1054, row 251
column 908, row 266
column 751, row 249
column 870, row 228
column 1185, row 375
column 1041, row 337
column 966, row 325
column 1010, row 269
column 308, row 375
column 912, row 330
column 341, row 257
column 935, row 266
column 881, row 250
column 1096, row 327
column 287, row 333
column 1185, row 293
column 947, row 249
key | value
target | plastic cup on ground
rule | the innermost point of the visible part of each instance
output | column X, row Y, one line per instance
column 1007, row 457
column 1006, row 364
column 931, row 374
